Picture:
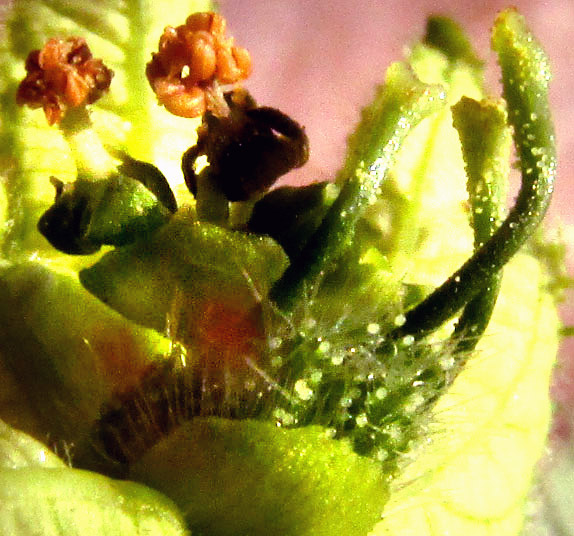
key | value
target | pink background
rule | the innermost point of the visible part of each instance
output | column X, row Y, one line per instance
column 320, row 60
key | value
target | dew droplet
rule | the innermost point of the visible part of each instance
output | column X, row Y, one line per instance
column 382, row 455
column 330, row 433
column 361, row 420
column 413, row 403
column 373, row 328
column 400, row 320
column 381, row 393
column 275, row 342
column 345, row 402
column 408, row 340
column 309, row 323
column 394, row 431
column 316, row 376
column 303, row 391
column 283, row 418
column 355, row 392
column 337, row 359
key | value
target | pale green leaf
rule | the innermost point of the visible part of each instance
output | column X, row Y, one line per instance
column 69, row 502
column 18, row 450
column 39, row 494
column 244, row 477
column 474, row 475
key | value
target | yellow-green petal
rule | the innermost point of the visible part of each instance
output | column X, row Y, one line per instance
column 473, row 476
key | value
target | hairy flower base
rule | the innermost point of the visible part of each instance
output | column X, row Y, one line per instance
column 495, row 415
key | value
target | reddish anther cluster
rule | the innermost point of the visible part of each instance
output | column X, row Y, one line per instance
column 193, row 60
column 63, row 75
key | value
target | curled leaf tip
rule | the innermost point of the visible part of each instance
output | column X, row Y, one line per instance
column 63, row 75
column 525, row 77
column 193, row 60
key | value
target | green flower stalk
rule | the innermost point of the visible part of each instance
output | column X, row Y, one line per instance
column 191, row 353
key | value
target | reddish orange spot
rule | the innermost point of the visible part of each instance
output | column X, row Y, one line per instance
column 228, row 333
column 122, row 360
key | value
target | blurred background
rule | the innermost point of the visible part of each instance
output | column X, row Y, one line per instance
column 320, row 60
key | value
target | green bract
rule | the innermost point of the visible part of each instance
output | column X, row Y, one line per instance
column 39, row 493
column 344, row 358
